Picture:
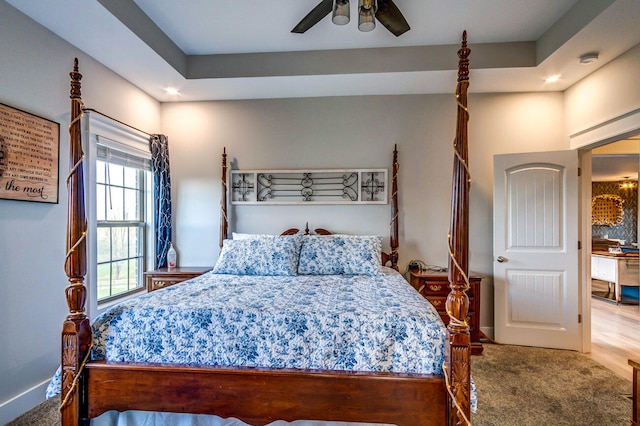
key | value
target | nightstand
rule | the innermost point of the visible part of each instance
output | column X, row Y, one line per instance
column 434, row 286
column 165, row 277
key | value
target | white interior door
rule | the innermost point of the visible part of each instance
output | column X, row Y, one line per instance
column 536, row 249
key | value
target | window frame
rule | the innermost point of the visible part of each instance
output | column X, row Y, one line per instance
column 143, row 177
column 99, row 130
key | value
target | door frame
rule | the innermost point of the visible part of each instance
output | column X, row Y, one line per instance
column 584, row 141
column 584, row 265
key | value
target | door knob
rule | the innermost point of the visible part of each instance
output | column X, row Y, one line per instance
column 501, row 259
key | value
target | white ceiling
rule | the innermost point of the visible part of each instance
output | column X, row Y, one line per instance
column 244, row 49
column 615, row 167
column 617, row 161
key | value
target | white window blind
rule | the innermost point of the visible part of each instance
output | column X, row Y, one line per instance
column 112, row 155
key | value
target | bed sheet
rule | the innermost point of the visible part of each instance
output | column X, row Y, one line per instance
column 142, row 418
column 335, row 322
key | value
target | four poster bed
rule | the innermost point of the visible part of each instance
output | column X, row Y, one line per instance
column 423, row 378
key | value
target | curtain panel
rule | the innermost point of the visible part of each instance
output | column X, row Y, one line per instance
column 159, row 145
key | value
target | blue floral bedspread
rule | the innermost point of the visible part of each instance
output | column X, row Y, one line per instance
column 335, row 322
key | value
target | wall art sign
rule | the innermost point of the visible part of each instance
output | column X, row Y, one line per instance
column 29, row 149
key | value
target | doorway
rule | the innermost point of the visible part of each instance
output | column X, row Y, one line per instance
column 615, row 274
column 614, row 221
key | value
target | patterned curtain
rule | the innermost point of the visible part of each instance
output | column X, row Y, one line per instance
column 159, row 145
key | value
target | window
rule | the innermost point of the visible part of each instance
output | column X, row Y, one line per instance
column 121, row 193
column 119, row 199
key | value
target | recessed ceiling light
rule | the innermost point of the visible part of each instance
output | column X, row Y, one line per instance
column 589, row 58
column 171, row 91
column 553, row 78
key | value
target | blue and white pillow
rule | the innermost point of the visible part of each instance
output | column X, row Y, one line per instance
column 263, row 255
column 340, row 255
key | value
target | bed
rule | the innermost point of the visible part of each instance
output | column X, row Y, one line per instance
column 424, row 384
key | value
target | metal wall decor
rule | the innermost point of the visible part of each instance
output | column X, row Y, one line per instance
column 355, row 186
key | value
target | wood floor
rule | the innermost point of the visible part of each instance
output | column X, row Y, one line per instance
column 615, row 335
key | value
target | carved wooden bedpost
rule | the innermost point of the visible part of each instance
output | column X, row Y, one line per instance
column 393, row 254
column 76, row 330
column 458, row 354
column 224, row 220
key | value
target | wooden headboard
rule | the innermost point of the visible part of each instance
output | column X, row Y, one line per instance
column 385, row 257
column 390, row 259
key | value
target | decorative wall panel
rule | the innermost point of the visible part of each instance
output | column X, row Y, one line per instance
column 355, row 186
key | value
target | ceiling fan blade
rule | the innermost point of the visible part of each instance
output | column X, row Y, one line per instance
column 323, row 8
column 390, row 16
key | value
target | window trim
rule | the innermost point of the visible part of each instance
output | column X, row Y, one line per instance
column 101, row 130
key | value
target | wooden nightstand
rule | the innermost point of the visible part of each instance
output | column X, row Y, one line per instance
column 165, row 277
column 434, row 286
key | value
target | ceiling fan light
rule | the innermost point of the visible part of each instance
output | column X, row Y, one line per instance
column 341, row 14
column 366, row 22
column 366, row 15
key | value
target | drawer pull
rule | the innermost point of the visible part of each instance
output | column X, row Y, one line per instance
column 436, row 303
column 435, row 287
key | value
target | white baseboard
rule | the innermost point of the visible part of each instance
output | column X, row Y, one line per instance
column 23, row 402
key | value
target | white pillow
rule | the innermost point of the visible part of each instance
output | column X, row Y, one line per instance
column 241, row 236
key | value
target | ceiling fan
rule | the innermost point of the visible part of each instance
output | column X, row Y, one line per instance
column 384, row 11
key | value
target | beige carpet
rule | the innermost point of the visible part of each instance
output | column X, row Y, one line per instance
column 45, row 414
column 532, row 386
column 516, row 386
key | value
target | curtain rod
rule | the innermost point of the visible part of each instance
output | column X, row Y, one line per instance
column 116, row 120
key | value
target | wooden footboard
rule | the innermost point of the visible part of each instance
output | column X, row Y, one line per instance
column 260, row 396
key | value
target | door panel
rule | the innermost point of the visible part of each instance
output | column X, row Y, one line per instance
column 536, row 249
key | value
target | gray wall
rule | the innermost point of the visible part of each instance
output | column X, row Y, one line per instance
column 34, row 74
column 354, row 132
column 610, row 93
